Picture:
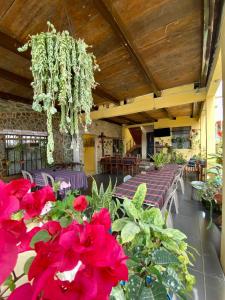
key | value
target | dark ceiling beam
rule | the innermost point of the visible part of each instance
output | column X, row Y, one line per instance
column 195, row 110
column 12, row 45
column 147, row 117
column 4, row 74
column 125, row 119
column 208, row 28
column 111, row 121
column 15, row 98
column 103, row 94
column 114, row 20
column 168, row 114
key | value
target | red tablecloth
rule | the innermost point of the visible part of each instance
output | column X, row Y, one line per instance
column 158, row 183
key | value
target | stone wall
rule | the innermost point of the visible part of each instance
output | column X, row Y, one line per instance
column 32, row 121
column 13, row 118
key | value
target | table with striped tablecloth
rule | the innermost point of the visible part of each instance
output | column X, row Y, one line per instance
column 77, row 179
column 157, row 181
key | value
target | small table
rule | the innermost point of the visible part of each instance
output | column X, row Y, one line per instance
column 77, row 179
column 158, row 183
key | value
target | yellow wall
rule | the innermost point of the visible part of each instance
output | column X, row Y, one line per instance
column 89, row 155
column 127, row 137
column 179, row 122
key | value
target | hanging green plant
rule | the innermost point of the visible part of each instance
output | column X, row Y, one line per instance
column 63, row 74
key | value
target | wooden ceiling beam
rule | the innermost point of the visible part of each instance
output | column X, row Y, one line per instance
column 111, row 121
column 4, row 74
column 168, row 114
column 15, row 98
column 116, row 24
column 12, row 45
column 195, row 110
column 147, row 117
column 148, row 103
column 208, row 29
column 103, row 94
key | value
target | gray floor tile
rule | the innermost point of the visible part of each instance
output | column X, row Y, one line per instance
column 215, row 288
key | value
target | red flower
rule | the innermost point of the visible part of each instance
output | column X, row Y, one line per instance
column 102, row 218
column 34, row 202
column 80, row 203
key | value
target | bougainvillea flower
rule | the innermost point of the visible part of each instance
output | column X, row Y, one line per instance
column 10, row 234
column 102, row 218
column 80, row 203
column 8, row 204
column 18, row 187
column 34, row 202
column 23, row 292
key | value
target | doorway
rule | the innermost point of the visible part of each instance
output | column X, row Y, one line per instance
column 89, row 154
column 150, row 144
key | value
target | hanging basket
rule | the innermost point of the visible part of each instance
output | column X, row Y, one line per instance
column 63, row 78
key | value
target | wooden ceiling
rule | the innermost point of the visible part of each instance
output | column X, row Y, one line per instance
column 141, row 46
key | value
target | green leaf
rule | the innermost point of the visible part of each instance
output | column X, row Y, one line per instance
column 9, row 282
column 131, row 209
column 41, row 235
column 27, row 264
column 155, row 292
column 153, row 216
column 117, row 293
column 129, row 231
column 175, row 234
column 134, row 287
column 139, row 196
column 65, row 221
column 119, row 224
column 163, row 257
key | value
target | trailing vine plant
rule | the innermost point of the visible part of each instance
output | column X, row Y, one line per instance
column 63, row 75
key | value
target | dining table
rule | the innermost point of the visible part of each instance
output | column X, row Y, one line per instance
column 158, row 183
column 76, row 179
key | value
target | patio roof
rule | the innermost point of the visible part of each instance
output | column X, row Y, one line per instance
column 141, row 46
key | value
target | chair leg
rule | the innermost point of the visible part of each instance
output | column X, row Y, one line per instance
column 182, row 184
column 176, row 204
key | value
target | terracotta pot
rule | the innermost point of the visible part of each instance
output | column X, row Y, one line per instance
column 218, row 198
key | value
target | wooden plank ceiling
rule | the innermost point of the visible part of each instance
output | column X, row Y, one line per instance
column 141, row 46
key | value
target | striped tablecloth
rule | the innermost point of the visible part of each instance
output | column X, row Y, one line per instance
column 77, row 179
column 158, row 183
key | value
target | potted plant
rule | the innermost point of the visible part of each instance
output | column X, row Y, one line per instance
column 158, row 256
column 160, row 159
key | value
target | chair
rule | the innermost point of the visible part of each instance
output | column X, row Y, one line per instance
column 181, row 180
column 170, row 200
column 126, row 178
column 27, row 175
column 48, row 179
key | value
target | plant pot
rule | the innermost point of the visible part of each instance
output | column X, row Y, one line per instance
column 218, row 198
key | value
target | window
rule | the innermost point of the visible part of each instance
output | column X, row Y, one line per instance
column 24, row 152
column 181, row 137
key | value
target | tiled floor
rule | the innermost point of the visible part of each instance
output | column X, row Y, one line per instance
column 191, row 220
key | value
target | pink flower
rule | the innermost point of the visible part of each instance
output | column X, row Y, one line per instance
column 80, row 203
column 102, row 218
column 10, row 233
column 18, row 187
column 34, row 202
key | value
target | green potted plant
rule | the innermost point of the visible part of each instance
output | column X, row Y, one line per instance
column 160, row 159
column 158, row 256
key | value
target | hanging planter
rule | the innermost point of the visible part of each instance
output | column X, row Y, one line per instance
column 63, row 76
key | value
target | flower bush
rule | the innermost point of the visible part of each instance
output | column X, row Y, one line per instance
column 73, row 260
